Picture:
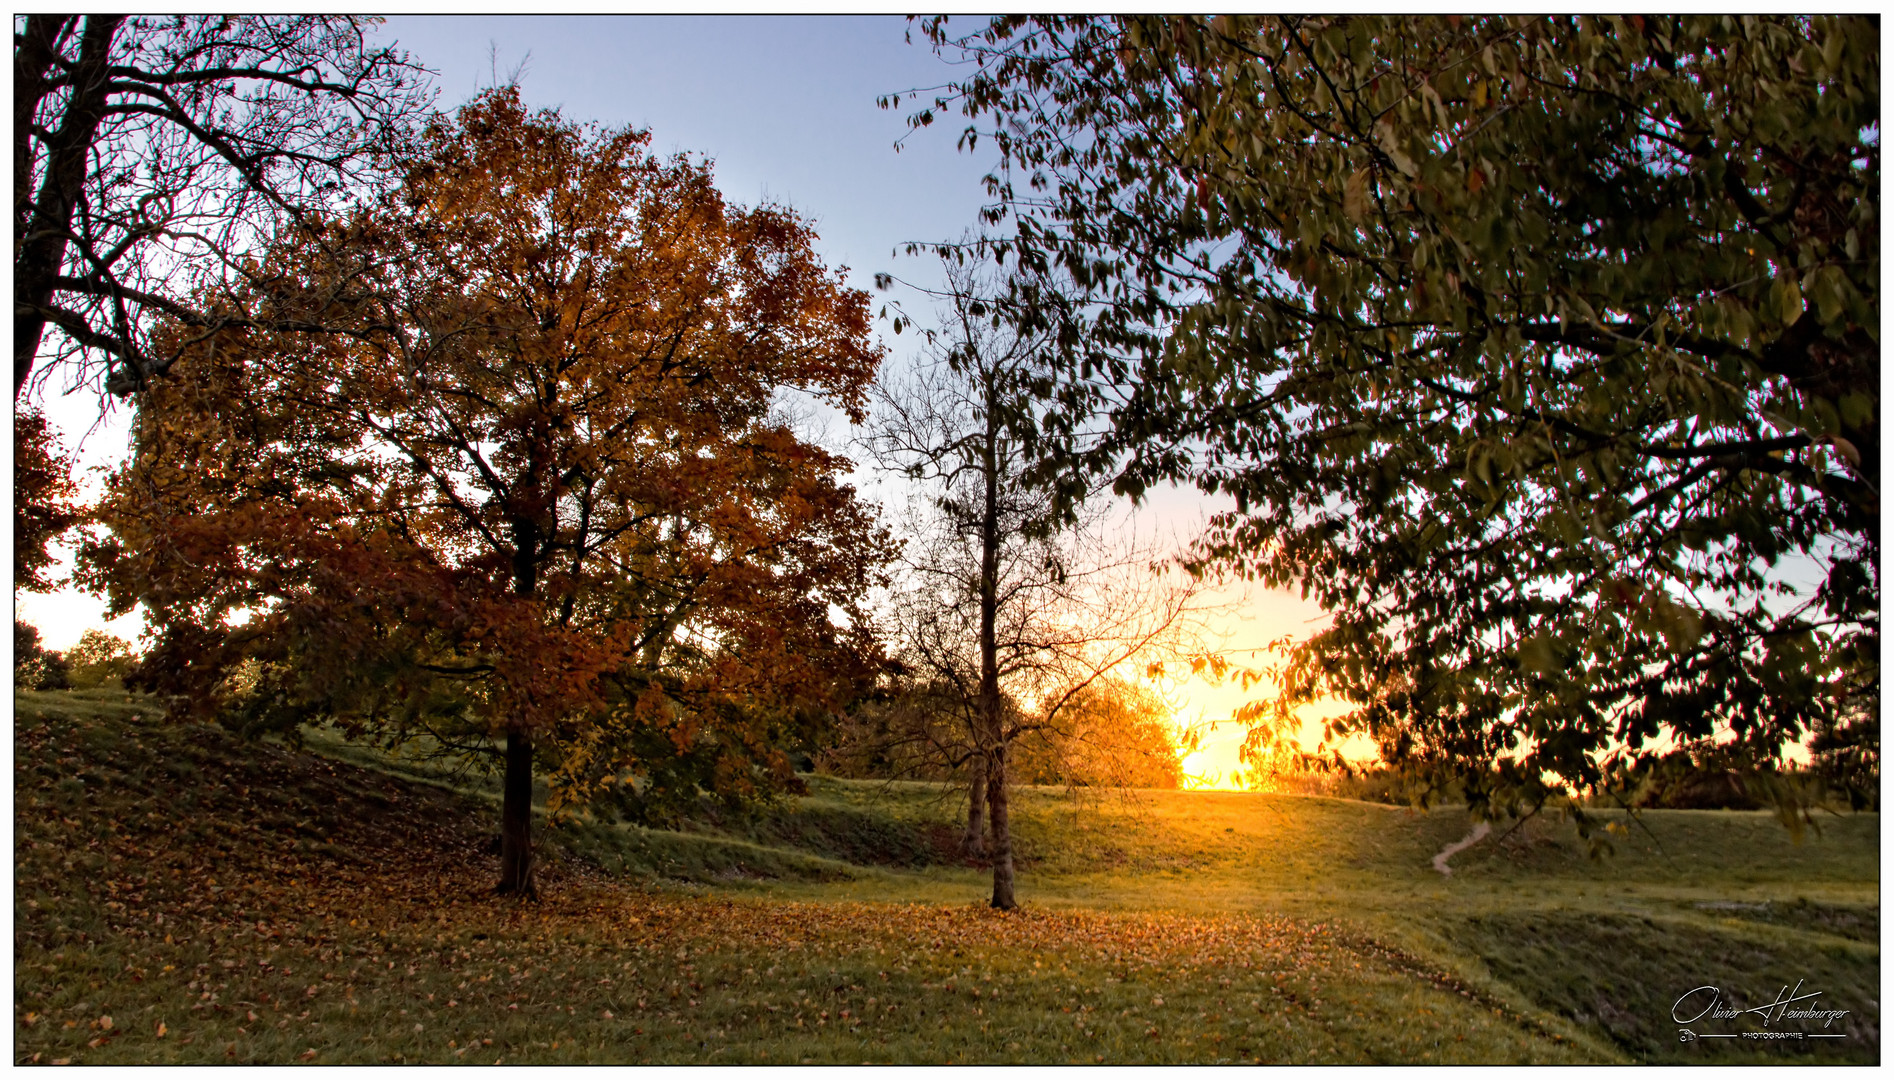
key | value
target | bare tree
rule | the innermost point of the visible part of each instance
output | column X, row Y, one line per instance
column 152, row 154
column 1018, row 601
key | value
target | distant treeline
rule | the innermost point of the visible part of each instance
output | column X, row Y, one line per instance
column 1112, row 734
column 1843, row 771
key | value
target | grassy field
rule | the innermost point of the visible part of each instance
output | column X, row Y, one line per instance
column 184, row 896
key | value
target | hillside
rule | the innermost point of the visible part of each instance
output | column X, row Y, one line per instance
column 184, row 896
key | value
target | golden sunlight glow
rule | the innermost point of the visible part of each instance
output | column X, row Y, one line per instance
column 1244, row 629
column 1216, row 765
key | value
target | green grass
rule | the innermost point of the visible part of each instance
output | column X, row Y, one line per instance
column 264, row 905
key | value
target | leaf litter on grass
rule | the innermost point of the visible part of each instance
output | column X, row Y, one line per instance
column 230, row 901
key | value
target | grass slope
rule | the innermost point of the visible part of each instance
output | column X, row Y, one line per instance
column 183, row 896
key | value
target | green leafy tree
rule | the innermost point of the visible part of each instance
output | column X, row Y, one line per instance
column 1543, row 352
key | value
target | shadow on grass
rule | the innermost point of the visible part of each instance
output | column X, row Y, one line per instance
column 1622, row 975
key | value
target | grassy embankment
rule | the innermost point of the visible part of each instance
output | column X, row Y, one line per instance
column 182, row 895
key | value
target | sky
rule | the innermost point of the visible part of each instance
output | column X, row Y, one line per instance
column 786, row 109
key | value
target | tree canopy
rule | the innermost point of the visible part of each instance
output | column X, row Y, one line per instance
column 537, row 490
column 1543, row 352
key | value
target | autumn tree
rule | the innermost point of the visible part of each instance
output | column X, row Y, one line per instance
column 1018, row 602
column 1113, row 734
column 44, row 499
column 536, row 496
column 153, row 154
column 98, row 659
column 1542, row 351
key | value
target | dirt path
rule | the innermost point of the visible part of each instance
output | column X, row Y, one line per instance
column 1478, row 834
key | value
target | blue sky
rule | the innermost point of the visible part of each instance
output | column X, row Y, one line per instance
column 784, row 106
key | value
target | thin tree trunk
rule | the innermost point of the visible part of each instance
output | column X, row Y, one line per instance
column 991, row 716
column 973, row 842
column 1001, row 823
column 516, row 820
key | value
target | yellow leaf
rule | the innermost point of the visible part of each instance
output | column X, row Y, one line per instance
column 1391, row 145
column 1355, row 196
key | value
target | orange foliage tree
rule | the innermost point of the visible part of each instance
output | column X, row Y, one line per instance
column 538, row 495
column 44, row 499
column 1113, row 733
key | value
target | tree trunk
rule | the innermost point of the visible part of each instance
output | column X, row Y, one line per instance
column 973, row 841
column 44, row 218
column 1002, row 830
column 991, row 712
column 516, row 802
column 516, row 820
